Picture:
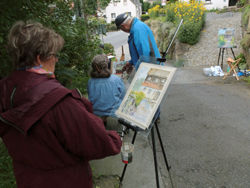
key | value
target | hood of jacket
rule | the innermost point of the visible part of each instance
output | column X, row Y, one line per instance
column 25, row 97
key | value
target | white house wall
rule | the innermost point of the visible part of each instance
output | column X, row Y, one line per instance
column 217, row 4
column 119, row 8
column 214, row 4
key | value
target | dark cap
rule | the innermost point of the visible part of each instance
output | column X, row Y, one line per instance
column 120, row 19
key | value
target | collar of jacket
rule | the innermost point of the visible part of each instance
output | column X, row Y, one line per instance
column 132, row 26
column 29, row 106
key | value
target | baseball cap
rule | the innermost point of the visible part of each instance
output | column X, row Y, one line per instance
column 120, row 19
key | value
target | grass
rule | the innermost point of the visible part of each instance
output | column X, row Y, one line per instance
column 7, row 179
column 246, row 79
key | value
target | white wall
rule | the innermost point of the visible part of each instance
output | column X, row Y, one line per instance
column 120, row 8
column 214, row 4
column 217, row 4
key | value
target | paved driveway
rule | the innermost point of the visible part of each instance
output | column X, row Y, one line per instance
column 205, row 126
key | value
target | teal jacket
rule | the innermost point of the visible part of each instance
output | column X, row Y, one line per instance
column 138, row 40
column 106, row 94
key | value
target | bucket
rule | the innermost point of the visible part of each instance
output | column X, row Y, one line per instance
column 126, row 152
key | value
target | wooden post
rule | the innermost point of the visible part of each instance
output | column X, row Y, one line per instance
column 123, row 55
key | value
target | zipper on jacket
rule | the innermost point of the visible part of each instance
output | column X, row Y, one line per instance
column 12, row 97
column 11, row 124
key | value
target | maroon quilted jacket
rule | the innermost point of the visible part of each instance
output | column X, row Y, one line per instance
column 51, row 132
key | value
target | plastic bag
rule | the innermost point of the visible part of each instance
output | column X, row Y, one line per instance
column 213, row 71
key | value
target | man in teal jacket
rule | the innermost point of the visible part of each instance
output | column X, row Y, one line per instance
column 141, row 39
column 141, row 43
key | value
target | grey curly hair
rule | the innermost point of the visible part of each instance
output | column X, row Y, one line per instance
column 29, row 39
column 100, row 67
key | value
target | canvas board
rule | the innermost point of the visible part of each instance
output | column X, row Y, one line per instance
column 145, row 94
column 226, row 38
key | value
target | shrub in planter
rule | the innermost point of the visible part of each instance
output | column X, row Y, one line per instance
column 7, row 178
column 242, row 63
column 109, row 49
column 170, row 12
column 194, row 19
column 154, row 12
column 111, row 27
column 245, row 42
column 163, row 32
column 189, row 33
column 144, row 17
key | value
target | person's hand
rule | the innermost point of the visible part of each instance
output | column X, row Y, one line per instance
column 128, row 67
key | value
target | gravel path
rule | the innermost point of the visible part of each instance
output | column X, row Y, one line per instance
column 206, row 52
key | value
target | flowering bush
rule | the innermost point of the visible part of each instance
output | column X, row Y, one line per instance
column 189, row 12
column 156, row 11
column 192, row 13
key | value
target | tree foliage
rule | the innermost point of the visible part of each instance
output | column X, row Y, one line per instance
column 81, row 41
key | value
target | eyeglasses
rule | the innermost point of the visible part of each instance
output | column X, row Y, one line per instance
column 55, row 55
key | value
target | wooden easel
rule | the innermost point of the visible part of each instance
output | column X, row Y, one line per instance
column 136, row 129
column 123, row 55
column 232, row 64
column 221, row 55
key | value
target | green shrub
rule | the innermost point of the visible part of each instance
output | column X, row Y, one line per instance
column 154, row 11
column 242, row 63
column 245, row 15
column 193, row 14
column 109, row 49
column 145, row 6
column 111, row 27
column 81, row 43
column 7, row 178
column 144, row 17
column 170, row 14
column 189, row 33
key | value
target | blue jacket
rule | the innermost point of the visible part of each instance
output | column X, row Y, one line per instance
column 106, row 94
column 138, row 41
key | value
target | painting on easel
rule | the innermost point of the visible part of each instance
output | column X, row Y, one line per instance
column 145, row 93
column 226, row 38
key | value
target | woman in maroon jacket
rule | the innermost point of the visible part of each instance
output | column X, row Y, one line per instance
column 50, row 132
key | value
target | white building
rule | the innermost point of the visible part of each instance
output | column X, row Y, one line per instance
column 217, row 4
column 116, row 7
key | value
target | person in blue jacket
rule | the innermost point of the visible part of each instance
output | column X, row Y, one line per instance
column 141, row 43
column 141, row 39
column 105, row 90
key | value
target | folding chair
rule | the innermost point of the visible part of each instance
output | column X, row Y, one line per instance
column 232, row 64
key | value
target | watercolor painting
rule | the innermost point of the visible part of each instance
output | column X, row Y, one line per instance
column 226, row 38
column 145, row 94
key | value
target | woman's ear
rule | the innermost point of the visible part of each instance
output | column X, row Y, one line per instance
column 38, row 60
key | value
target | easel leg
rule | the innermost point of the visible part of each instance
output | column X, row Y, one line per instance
column 155, row 158
column 218, row 63
column 221, row 65
column 125, row 166
column 235, row 58
column 233, row 53
column 164, row 154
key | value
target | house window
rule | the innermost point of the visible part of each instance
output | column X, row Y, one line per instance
column 129, row 14
column 208, row 2
column 113, row 16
